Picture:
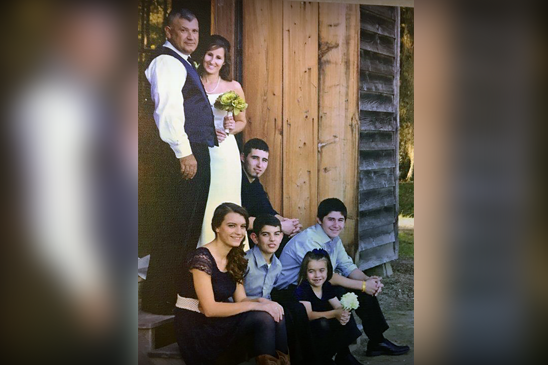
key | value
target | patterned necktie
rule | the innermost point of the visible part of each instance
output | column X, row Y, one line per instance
column 191, row 61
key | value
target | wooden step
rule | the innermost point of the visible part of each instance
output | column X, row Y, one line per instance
column 155, row 331
column 170, row 355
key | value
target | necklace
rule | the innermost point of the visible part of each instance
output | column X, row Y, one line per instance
column 216, row 86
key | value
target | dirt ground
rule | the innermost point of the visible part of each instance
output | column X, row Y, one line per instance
column 396, row 301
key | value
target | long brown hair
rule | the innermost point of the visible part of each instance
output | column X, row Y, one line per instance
column 215, row 42
column 236, row 265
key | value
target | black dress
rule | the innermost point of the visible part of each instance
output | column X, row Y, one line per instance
column 201, row 339
column 328, row 335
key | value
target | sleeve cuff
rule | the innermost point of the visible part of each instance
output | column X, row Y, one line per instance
column 349, row 269
column 182, row 149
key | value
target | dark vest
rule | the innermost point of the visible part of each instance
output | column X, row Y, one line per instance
column 199, row 125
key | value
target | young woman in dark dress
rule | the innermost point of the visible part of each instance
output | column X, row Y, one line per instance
column 333, row 329
column 207, row 322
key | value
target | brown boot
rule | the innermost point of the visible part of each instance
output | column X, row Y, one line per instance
column 266, row 360
column 283, row 359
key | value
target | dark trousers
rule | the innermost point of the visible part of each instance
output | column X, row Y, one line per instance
column 299, row 337
column 178, row 214
column 299, row 333
column 370, row 312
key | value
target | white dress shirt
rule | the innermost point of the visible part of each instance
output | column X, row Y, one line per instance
column 167, row 77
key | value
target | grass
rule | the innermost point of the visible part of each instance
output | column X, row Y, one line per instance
column 407, row 199
column 407, row 241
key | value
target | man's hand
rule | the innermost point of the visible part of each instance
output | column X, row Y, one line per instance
column 373, row 286
column 290, row 227
column 287, row 226
column 379, row 284
column 298, row 226
column 189, row 165
column 221, row 135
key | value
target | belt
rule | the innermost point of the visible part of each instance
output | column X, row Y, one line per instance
column 190, row 304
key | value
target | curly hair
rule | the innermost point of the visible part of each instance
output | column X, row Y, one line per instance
column 215, row 42
column 236, row 265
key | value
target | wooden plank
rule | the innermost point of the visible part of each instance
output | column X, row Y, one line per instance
column 377, row 102
column 377, row 256
column 262, row 84
column 376, row 218
column 376, row 141
column 376, row 198
column 300, row 110
column 386, row 11
column 377, row 43
column 375, row 62
column 375, row 179
column 397, row 134
column 377, row 236
column 377, row 24
column 338, row 123
column 377, row 121
column 223, row 16
column 374, row 160
column 370, row 81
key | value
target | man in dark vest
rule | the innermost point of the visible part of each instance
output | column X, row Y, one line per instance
column 184, row 119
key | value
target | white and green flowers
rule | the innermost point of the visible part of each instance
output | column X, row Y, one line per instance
column 231, row 102
column 349, row 301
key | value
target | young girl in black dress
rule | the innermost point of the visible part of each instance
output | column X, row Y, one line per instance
column 333, row 329
column 207, row 323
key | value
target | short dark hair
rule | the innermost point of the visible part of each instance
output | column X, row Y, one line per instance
column 179, row 13
column 317, row 254
column 215, row 42
column 265, row 220
column 331, row 205
column 255, row 143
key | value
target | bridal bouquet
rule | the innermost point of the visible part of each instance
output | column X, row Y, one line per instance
column 349, row 301
column 231, row 102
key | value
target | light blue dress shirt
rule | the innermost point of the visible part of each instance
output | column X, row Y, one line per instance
column 260, row 278
column 309, row 239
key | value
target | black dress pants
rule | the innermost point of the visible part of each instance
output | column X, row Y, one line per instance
column 299, row 337
column 177, row 212
column 370, row 312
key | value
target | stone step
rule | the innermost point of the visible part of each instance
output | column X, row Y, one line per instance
column 155, row 331
column 170, row 355
column 167, row 355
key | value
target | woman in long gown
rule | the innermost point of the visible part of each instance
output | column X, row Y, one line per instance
column 226, row 171
column 208, row 325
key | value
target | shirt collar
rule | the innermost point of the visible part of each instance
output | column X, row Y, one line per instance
column 259, row 258
column 322, row 237
column 172, row 47
column 246, row 179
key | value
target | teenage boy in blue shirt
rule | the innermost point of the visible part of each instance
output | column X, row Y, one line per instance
column 263, row 267
column 263, row 271
column 347, row 276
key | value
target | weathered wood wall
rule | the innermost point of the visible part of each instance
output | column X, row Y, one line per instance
column 378, row 142
column 301, row 78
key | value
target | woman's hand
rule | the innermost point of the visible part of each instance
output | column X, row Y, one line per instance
column 229, row 123
column 221, row 135
column 272, row 308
